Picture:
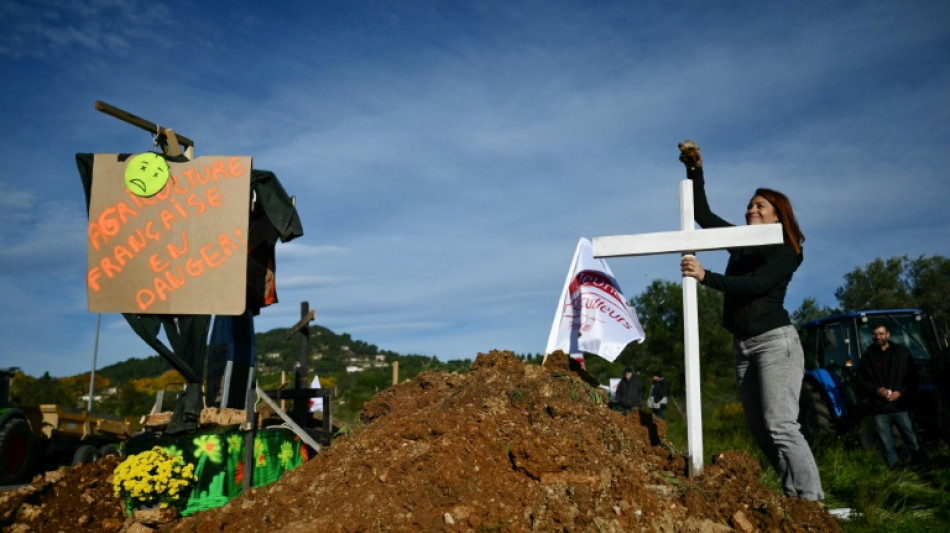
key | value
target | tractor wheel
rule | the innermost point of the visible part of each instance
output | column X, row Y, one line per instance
column 814, row 415
column 108, row 450
column 87, row 453
column 867, row 433
column 15, row 444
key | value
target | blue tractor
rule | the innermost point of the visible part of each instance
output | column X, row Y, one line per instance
column 831, row 403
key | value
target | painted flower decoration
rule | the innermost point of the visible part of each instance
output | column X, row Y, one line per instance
column 208, row 446
column 259, row 452
column 287, row 455
column 235, row 444
column 239, row 473
column 175, row 452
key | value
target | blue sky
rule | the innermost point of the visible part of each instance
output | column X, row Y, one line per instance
column 447, row 156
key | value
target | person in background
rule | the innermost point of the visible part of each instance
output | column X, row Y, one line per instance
column 629, row 391
column 887, row 375
column 768, row 355
column 658, row 395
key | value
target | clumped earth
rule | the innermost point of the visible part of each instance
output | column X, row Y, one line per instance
column 68, row 499
column 504, row 447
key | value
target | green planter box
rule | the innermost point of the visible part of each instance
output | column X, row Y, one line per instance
column 218, row 456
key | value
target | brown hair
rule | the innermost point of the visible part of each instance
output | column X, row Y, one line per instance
column 783, row 208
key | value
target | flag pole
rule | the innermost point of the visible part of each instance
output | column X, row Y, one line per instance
column 95, row 353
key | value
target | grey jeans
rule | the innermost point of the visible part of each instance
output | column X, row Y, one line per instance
column 769, row 370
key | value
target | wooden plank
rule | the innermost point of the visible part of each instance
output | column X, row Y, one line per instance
column 700, row 240
column 299, row 431
column 174, row 149
column 134, row 120
column 694, row 408
column 250, row 428
column 300, row 324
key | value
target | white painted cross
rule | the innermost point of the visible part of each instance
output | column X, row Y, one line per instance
column 687, row 242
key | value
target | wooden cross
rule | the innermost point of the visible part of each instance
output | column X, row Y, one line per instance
column 687, row 242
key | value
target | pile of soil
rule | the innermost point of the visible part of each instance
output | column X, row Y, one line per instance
column 68, row 499
column 504, row 447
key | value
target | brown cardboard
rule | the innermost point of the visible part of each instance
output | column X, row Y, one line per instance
column 182, row 251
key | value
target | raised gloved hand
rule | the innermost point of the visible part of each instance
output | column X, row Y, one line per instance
column 689, row 154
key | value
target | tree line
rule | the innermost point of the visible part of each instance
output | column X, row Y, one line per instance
column 893, row 283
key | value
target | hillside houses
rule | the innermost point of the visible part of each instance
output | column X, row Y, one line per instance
column 361, row 363
column 349, row 361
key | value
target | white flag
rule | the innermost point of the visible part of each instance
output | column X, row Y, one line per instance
column 593, row 315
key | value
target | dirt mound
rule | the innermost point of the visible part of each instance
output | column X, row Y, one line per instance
column 68, row 499
column 506, row 447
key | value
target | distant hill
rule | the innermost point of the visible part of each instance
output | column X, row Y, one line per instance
column 135, row 368
column 330, row 353
column 354, row 369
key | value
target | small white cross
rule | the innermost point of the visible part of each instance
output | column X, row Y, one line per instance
column 687, row 242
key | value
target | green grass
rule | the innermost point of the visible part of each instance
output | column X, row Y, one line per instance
column 900, row 500
column 888, row 500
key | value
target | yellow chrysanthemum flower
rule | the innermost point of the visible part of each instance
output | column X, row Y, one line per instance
column 153, row 476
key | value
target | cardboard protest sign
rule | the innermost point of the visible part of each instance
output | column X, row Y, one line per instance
column 182, row 250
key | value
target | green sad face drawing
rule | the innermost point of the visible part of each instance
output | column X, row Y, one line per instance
column 146, row 174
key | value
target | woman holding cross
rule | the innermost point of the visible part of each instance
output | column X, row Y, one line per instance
column 769, row 361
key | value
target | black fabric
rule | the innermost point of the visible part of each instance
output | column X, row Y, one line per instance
column 273, row 217
column 187, row 413
column 184, row 332
column 187, row 335
column 232, row 339
column 892, row 369
column 84, row 163
column 261, row 265
column 277, row 205
column 756, row 278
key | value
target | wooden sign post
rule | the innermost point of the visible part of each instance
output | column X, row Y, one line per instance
column 687, row 242
column 170, row 141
